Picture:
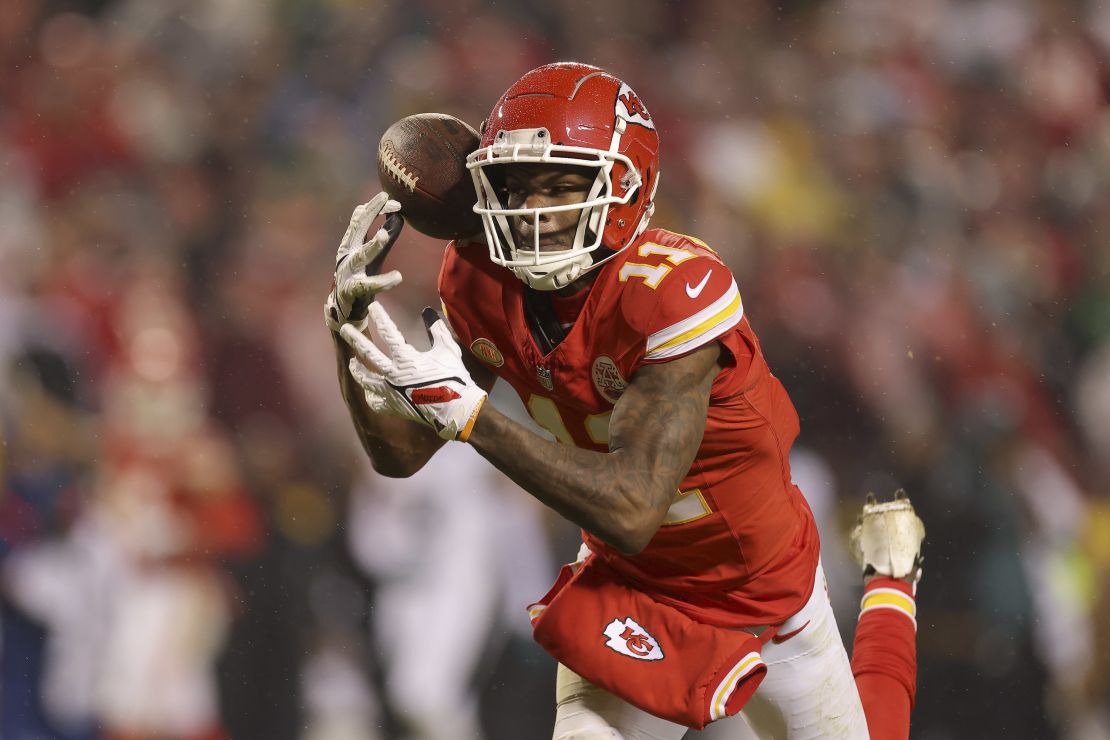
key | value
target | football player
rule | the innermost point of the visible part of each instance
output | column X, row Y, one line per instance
column 699, row 577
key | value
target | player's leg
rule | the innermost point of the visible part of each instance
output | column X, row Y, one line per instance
column 585, row 712
column 809, row 691
column 887, row 545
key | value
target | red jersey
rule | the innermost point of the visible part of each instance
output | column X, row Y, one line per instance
column 738, row 546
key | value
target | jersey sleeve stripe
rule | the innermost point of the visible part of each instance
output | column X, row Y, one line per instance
column 701, row 333
column 692, row 332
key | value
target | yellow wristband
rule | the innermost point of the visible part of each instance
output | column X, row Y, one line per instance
column 464, row 433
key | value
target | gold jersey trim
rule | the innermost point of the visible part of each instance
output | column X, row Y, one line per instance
column 690, row 333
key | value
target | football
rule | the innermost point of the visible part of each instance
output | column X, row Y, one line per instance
column 422, row 165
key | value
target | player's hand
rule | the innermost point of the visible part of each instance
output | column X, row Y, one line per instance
column 357, row 263
column 431, row 388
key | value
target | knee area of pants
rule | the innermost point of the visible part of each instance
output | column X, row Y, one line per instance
column 577, row 723
column 598, row 733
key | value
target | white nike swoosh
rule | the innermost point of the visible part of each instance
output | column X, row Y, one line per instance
column 695, row 292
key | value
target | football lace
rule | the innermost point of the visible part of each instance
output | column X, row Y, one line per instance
column 394, row 166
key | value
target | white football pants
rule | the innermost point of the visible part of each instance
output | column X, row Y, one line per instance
column 808, row 692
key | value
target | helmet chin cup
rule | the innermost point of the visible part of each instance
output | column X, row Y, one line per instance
column 555, row 275
column 568, row 114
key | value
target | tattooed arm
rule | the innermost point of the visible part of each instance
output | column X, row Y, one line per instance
column 623, row 495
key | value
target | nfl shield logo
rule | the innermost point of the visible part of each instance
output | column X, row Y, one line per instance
column 544, row 376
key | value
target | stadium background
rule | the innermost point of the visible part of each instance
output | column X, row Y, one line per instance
column 915, row 198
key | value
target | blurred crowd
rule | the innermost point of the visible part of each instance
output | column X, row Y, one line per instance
column 915, row 199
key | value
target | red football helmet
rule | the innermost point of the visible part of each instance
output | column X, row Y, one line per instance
column 573, row 114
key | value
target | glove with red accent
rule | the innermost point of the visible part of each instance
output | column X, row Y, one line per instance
column 357, row 262
column 431, row 388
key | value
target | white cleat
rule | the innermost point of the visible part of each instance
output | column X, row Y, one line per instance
column 887, row 539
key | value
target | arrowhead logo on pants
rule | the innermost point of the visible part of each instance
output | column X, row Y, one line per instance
column 629, row 638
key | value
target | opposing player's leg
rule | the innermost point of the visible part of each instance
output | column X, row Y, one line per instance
column 808, row 691
column 887, row 544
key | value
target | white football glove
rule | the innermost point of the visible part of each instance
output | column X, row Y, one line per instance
column 357, row 263
column 432, row 388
